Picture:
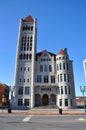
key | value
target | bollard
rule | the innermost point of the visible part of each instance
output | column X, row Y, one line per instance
column 9, row 110
column 60, row 110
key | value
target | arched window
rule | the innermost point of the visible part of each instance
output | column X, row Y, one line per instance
column 23, row 28
column 24, row 56
column 31, row 28
column 26, row 28
column 27, row 56
column 30, row 56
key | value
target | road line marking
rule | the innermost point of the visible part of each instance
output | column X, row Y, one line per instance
column 27, row 119
column 81, row 119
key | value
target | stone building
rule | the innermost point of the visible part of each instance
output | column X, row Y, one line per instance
column 41, row 78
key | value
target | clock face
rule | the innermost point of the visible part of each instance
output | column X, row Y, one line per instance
column 82, row 88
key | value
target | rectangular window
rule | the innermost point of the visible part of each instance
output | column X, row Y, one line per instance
column 69, row 90
column 45, row 68
column 66, row 102
column 65, row 89
column 20, row 92
column 52, row 79
column 20, row 102
column 60, row 66
column 64, row 77
column 30, row 46
column 27, row 90
column 50, row 68
column 61, row 89
column 21, row 69
column 46, row 79
column 28, row 80
column 20, row 80
column 41, row 68
column 68, row 78
column 67, row 66
column 26, row 102
column 22, row 45
column 24, row 68
column 28, row 68
column 64, row 66
column 60, row 77
column 57, row 67
column 24, row 80
column 39, row 79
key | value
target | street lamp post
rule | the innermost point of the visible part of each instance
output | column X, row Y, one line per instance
column 82, row 89
column 60, row 109
column 9, row 103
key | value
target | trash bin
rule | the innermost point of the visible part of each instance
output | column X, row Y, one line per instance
column 60, row 110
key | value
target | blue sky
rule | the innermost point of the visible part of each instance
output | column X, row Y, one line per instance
column 61, row 24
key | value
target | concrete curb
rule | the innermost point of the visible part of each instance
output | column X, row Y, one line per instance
column 44, row 113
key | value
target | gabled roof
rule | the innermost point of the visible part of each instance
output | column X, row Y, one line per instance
column 45, row 51
column 28, row 19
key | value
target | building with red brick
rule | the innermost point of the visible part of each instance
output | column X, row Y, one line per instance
column 4, row 94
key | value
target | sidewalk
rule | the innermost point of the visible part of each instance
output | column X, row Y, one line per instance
column 45, row 112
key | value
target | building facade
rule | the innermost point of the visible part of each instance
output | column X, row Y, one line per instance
column 41, row 78
column 4, row 94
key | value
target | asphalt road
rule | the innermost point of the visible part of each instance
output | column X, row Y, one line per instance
column 40, row 122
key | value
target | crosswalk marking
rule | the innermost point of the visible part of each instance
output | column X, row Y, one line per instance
column 27, row 119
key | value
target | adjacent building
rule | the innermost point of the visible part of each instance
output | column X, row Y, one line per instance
column 4, row 94
column 41, row 78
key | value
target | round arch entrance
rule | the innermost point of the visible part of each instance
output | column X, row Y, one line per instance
column 45, row 100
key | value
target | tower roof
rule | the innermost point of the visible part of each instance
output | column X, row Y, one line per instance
column 63, row 52
column 28, row 19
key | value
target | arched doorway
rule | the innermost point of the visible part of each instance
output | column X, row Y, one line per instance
column 37, row 100
column 52, row 99
column 45, row 100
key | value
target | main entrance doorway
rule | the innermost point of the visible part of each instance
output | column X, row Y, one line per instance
column 45, row 100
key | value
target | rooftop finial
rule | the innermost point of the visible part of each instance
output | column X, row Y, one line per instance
column 65, row 49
